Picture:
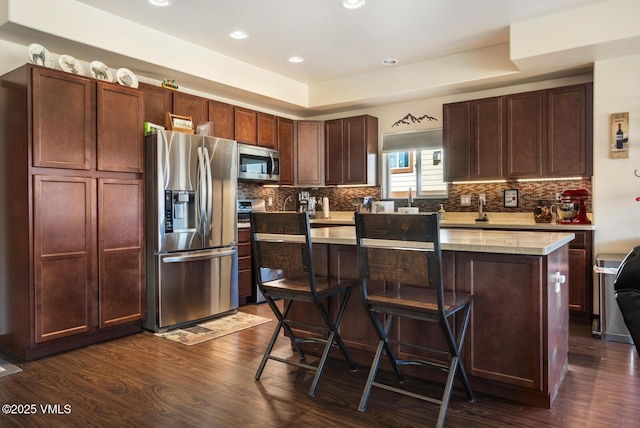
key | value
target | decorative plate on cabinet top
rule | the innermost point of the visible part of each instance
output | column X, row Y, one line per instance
column 100, row 71
column 39, row 55
column 70, row 65
column 127, row 78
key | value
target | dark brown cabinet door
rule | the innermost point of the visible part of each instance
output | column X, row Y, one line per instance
column 521, row 362
column 524, row 136
column 120, row 251
column 577, row 280
column 285, row 145
column 62, row 120
column 245, row 279
column 246, row 126
column 222, row 116
column 267, row 130
column 158, row 102
column 309, row 153
column 488, row 139
column 191, row 105
column 351, row 150
column 63, row 257
column 457, row 140
column 334, row 142
column 120, row 132
column 569, row 131
column 356, row 150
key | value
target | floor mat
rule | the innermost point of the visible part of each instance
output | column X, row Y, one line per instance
column 213, row 329
column 7, row 369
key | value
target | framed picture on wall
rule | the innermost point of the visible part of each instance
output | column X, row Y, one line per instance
column 619, row 135
column 511, row 198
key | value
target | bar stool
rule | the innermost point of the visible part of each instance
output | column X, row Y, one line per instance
column 282, row 241
column 404, row 251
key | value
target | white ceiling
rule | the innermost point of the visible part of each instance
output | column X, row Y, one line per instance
column 334, row 41
column 443, row 47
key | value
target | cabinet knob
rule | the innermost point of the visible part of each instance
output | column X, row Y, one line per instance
column 558, row 279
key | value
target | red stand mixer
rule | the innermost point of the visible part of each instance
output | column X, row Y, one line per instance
column 571, row 209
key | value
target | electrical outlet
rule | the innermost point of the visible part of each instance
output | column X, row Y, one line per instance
column 483, row 198
column 465, row 200
column 270, row 201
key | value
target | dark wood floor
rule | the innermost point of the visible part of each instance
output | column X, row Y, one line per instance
column 145, row 381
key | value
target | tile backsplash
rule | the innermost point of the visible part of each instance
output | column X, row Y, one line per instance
column 340, row 197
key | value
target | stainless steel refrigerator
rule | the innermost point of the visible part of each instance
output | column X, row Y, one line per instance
column 191, row 204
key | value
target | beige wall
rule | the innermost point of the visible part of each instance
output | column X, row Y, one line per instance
column 615, row 187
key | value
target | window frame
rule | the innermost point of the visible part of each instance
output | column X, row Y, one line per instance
column 413, row 142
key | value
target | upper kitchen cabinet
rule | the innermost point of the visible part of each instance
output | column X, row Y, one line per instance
column 474, row 139
column 457, row 140
column 222, row 116
column 286, row 146
column 62, row 136
column 246, row 126
column 267, row 130
column 569, row 131
column 158, row 101
column 488, row 139
column 351, row 146
column 524, row 136
column 191, row 105
column 309, row 153
column 539, row 134
column 120, row 114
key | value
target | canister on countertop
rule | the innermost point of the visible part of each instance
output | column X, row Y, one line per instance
column 543, row 211
column 325, row 207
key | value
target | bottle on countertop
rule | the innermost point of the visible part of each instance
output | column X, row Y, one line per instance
column 442, row 213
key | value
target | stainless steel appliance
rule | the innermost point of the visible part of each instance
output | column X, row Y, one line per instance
column 572, row 209
column 191, row 202
column 258, row 163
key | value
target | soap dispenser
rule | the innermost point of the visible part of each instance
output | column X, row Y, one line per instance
column 441, row 213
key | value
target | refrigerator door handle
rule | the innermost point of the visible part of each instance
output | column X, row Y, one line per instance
column 202, row 197
column 209, row 211
column 190, row 257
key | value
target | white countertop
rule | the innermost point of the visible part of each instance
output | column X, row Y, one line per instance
column 481, row 241
column 496, row 220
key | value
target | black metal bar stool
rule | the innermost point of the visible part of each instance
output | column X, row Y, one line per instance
column 404, row 251
column 282, row 241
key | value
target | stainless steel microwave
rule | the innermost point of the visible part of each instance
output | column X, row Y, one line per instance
column 258, row 163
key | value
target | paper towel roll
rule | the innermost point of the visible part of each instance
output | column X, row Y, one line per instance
column 325, row 207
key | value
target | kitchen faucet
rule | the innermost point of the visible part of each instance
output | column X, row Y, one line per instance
column 481, row 216
column 284, row 204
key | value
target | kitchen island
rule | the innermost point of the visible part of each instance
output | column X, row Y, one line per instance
column 517, row 342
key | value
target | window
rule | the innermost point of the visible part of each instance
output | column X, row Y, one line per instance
column 401, row 162
column 413, row 160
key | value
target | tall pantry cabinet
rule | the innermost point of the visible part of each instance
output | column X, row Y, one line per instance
column 71, row 225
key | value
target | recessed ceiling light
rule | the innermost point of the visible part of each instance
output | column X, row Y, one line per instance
column 352, row 4
column 296, row 59
column 161, row 3
column 389, row 61
column 239, row 34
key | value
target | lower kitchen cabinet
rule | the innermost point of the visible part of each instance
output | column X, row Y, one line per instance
column 120, row 252
column 63, row 265
column 577, row 280
column 81, row 285
column 245, row 279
